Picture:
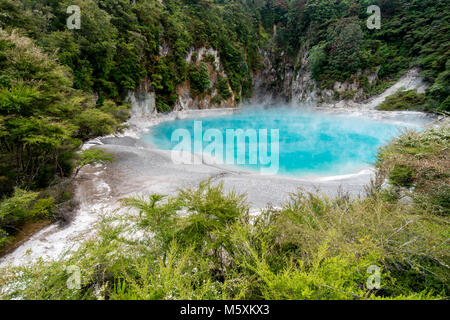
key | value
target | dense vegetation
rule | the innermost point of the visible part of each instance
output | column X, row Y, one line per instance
column 412, row 33
column 203, row 244
column 404, row 100
column 66, row 86
column 119, row 42
column 59, row 87
column 122, row 42
column 420, row 163
column 43, row 120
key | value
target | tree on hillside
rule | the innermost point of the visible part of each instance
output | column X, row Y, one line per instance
column 199, row 77
column 345, row 38
column 92, row 156
column 43, row 120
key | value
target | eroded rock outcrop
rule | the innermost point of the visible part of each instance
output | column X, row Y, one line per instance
column 290, row 80
column 187, row 99
column 142, row 101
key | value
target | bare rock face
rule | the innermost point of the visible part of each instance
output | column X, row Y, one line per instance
column 187, row 100
column 290, row 79
column 282, row 79
column 142, row 101
column 273, row 81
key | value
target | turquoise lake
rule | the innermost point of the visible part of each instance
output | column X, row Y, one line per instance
column 310, row 143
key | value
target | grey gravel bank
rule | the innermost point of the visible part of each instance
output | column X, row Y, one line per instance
column 142, row 168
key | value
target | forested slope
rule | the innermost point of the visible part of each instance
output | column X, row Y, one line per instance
column 123, row 42
column 331, row 40
column 59, row 87
column 120, row 43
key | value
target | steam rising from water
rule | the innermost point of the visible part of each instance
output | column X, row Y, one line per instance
column 311, row 143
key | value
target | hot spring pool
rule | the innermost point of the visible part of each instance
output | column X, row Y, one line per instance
column 309, row 143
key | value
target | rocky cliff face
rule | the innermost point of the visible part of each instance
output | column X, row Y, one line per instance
column 274, row 80
column 142, row 99
column 290, row 80
column 187, row 100
column 282, row 79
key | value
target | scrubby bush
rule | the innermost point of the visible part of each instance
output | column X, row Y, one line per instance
column 222, row 88
column 401, row 176
column 199, row 77
column 404, row 100
column 23, row 206
column 93, row 123
column 92, row 156
column 203, row 244
column 421, row 160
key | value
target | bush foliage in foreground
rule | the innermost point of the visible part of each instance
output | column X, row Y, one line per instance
column 204, row 244
column 418, row 166
column 43, row 120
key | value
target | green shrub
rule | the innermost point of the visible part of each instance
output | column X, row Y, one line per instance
column 401, row 176
column 199, row 77
column 94, row 123
column 222, row 88
column 202, row 244
column 404, row 100
column 23, row 206
column 15, row 210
